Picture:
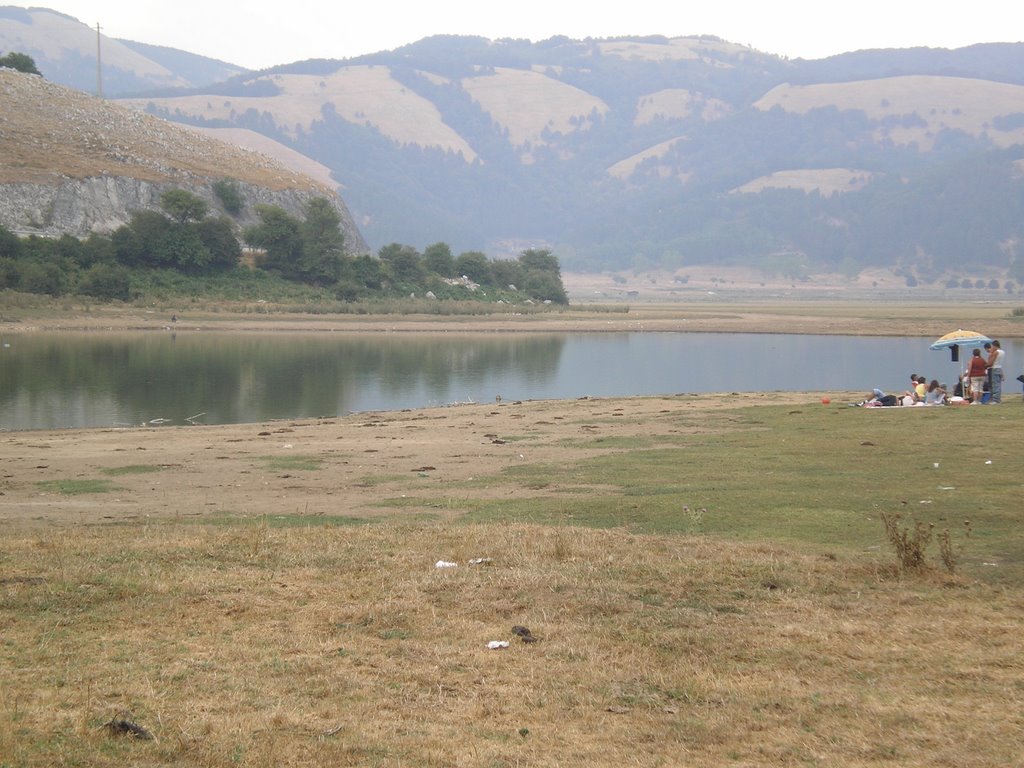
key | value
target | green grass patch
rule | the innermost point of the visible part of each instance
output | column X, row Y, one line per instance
column 293, row 463
column 133, row 469
column 370, row 481
column 283, row 521
column 77, row 487
column 810, row 477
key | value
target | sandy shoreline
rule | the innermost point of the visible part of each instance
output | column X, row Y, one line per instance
column 338, row 466
column 888, row 318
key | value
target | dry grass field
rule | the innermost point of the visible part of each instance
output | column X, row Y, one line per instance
column 360, row 94
column 527, row 103
column 958, row 103
column 826, row 181
column 253, row 645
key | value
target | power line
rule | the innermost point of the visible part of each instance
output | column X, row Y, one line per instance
column 99, row 65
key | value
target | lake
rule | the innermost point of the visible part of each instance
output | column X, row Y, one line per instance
column 53, row 381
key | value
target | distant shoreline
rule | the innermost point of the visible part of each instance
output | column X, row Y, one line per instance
column 785, row 316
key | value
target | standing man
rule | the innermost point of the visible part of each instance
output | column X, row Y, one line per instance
column 995, row 371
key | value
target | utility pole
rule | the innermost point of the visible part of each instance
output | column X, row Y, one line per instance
column 99, row 65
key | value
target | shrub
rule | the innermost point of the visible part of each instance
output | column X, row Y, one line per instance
column 230, row 195
column 910, row 546
column 37, row 277
column 22, row 62
column 106, row 281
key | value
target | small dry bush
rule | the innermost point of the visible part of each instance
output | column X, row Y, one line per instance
column 910, row 545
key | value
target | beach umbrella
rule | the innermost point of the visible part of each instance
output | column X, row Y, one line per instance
column 960, row 338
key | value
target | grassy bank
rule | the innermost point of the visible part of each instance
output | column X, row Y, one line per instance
column 711, row 581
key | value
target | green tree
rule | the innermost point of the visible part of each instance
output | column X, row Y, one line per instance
column 403, row 262
column 230, row 195
column 437, row 258
column 97, row 249
column 544, row 286
column 106, row 281
column 279, row 235
column 10, row 244
column 182, row 248
column 218, row 236
column 475, row 266
column 8, row 273
column 542, row 276
column 136, row 242
column 40, row 277
column 541, row 260
column 323, row 244
column 21, row 62
column 507, row 272
column 360, row 275
column 183, row 206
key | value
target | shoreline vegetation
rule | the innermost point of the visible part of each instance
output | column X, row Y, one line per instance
column 758, row 579
column 896, row 315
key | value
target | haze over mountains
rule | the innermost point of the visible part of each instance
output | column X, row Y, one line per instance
column 639, row 153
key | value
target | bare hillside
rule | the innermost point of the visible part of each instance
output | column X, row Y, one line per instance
column 922, row 106
column 360, row 94
column 49, row 132
column 73, row 164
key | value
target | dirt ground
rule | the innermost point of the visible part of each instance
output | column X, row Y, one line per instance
column 336, row 467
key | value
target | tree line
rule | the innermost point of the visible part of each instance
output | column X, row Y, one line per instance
column 184, row 238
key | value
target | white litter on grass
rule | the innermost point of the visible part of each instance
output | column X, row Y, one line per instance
column 479, row 560
column 936, row 465
column 925, row 501
column 497, row 645
column 947, row 487
column 989, row 461
column 445, row 564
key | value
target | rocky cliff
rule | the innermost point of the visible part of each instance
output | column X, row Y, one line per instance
column 74, row 164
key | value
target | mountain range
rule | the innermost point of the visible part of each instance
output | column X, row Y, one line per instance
column 640, row 152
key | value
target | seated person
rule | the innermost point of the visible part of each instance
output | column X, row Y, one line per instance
column 936, row 394
column 877, row 398
column 918, row 389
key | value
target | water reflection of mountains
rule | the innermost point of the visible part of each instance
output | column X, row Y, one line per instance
column 234, row 378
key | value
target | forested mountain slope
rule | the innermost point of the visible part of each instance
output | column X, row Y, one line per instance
column 658, row 152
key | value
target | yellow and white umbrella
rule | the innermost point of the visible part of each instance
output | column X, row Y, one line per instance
column 961, row 338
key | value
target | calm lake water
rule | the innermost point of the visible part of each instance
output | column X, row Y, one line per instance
column 52, row 381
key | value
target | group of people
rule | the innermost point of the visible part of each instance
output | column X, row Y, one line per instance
column 984, row 375
column 921, row 392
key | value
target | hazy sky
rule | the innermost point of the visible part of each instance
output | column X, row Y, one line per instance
column 260, row 33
